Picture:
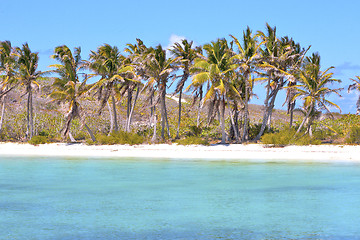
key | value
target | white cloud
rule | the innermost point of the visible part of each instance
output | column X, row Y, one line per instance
column 173, row 39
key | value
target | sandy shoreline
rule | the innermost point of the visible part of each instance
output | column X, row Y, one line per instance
column 240, row 153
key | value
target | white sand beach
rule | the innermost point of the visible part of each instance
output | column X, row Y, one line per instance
column 232, row 153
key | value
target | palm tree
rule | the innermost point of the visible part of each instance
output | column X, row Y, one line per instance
column 136, row 59
column 276, row 55
column 67, row 87
column 215, row 70
column 28, row 76
column 186, row 55
column 356, row 86
column 295, row 62
column 312, row 88
column 7, row 73
column 108, row 63
column 159, row 70
column 247, row 60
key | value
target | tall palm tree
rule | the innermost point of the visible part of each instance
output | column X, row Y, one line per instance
column 186, row 55
column 136, row 59
column 276, row 54
column 313, row 88
column 215, row 71
column 7, row 74
column 67, row 86
column 355, row 86
column 247, row 60
column 159, row 70
column 28, row 76
column 295, row 61
column 108, row 63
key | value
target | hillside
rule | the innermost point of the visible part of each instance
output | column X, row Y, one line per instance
column 49, row 116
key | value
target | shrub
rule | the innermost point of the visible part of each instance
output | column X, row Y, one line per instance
column 194, row 131
column 119, row 138
column 254, row 130
column 36, row 140
column 44, row 133
column 287, row 137
column 353, row 136
column 80, row 135
column 193, row 140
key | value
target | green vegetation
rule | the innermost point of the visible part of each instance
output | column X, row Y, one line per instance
column 193, row 140
column 288, row 137
column 120, row 137
column 129, row 98
column 36, row 140
column 354, row 135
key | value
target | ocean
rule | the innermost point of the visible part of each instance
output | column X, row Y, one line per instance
column 99, row 198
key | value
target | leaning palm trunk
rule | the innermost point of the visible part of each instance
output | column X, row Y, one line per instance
column 73, row 113
column 90, row 133
column 69, row 117
column 72, row 139
column 128, row 122
column 304, row 121
column 269, row 106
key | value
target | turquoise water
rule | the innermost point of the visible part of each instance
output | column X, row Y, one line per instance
column 134, row 199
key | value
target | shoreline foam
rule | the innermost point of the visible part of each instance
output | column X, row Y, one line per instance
column 232, row 152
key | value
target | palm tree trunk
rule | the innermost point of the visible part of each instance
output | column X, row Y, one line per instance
column 155, row 123
column 179, row 116
column 163, row 117
column 129, row 100
column 304, row 120
column 200, row 107
column 233, row 123
column 151, row 111
column 268, row 112
column 72, row 139
column 29, row 116
column 111, row 119
column 246, row 113
column 291, row 117
column 90, row 133
column 210, row 112
column 222, row 121
column 2, row 113
column 310, row 130
column 128, row 124
column 167, row 123
column 115, row 122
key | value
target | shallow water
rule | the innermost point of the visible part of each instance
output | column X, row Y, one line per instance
column 133, row 199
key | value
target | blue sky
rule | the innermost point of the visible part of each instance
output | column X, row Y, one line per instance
column 332, row 28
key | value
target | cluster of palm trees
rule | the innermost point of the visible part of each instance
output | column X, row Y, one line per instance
column 19, row 68
column 223, row 74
